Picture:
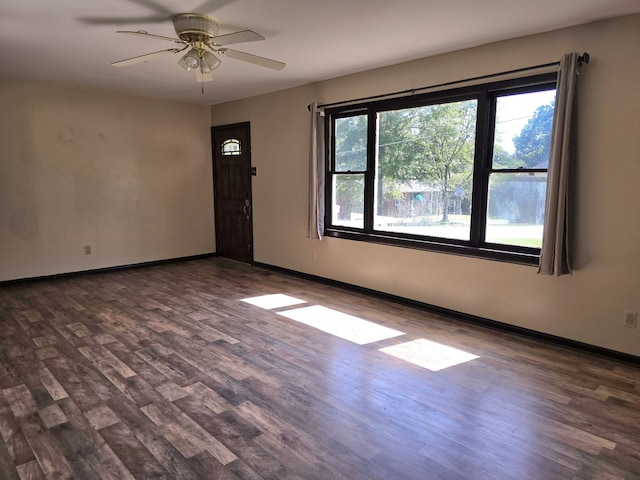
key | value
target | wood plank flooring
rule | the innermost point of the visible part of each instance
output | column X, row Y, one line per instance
column 164, row 372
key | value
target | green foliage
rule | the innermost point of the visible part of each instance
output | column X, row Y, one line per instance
column 351, row 143
column 433, row 145
column 517, row 197
column 351, row 155
column 534, row 141
column 503, row 159
column 349, row 194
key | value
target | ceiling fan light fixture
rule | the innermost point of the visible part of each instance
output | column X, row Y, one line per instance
column 190, row 60
column 208, row 62
column 199, row 34
column 203, row 77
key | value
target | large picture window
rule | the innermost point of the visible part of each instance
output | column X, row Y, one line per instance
column 461, row 171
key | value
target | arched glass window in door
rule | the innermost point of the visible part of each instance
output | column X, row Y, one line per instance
column 231, row 147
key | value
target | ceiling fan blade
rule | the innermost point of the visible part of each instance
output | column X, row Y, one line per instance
column 159, row 8
column 210, row 6
column 255, row 59
column 162, row 14
column 124, row 20
column 142, row 33
column 145, row 57
column 236, row 37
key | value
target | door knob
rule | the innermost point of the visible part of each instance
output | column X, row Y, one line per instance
column 246, row 208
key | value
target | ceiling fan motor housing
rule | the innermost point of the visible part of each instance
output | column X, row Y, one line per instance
column 193, row 27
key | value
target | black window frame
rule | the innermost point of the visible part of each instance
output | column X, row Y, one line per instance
column 486, row 95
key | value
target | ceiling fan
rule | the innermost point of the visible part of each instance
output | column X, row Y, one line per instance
column 199, row 34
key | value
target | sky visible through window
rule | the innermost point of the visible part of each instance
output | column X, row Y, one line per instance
column 514, row 112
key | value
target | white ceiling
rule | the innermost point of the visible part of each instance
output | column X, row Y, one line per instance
column 75, row 40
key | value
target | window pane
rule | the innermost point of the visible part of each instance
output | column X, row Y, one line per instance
column 351, row 144
column 523, row 130
column 348, row 200
column 424, row 170
column 515, row 213
column 231, row 147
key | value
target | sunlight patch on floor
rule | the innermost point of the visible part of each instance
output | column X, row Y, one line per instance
column 427, row 354
column 347, row 327
column 276, row 300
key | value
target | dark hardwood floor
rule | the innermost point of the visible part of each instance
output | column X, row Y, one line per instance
column 164, row 372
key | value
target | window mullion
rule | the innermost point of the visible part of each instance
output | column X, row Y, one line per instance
column 481, row 165
column 369, row 178
column 329, row 158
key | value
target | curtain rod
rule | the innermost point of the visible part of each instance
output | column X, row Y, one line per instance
column 584, row 58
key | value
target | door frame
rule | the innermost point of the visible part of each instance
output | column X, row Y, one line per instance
column 216, row 213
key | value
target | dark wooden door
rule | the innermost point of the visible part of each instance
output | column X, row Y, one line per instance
column 232, row 191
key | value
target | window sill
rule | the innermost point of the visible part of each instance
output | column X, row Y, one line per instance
column 509, row 256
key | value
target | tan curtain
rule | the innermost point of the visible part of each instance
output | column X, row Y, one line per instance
column 316, row 174
column 555, row 254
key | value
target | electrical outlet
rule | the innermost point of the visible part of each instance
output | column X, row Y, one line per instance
column 87, row 249
column 631, row 319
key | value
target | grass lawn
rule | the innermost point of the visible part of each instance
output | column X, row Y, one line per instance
column 522, row 242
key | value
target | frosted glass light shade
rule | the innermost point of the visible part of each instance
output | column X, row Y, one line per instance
column 190, row 60
column 209, row 62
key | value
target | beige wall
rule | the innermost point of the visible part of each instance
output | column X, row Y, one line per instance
column 128, row 176
column 587, row 306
